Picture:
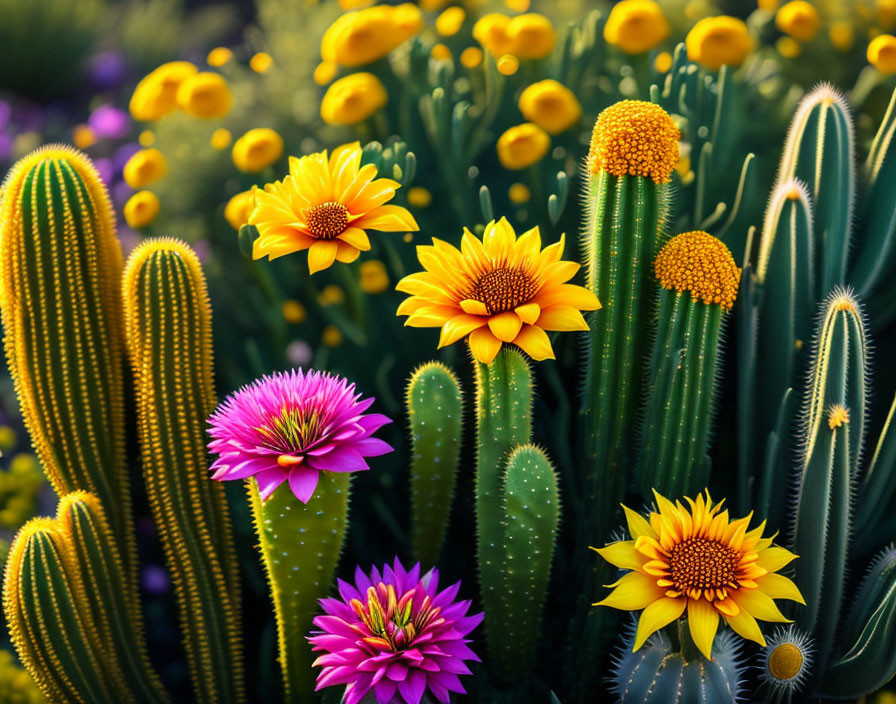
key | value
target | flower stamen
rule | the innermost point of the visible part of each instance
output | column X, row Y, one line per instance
column 702, row 565
column 326, row 221
column 503, row 289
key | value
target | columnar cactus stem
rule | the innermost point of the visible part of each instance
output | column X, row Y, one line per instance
column 878, row 488
column 300, row 547
column 60, row 269
column 435, row 410
column 699, row 282
column 168, row 333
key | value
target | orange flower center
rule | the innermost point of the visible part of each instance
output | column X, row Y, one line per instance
column 503, row 289
column 326, row 220
column 698, row 563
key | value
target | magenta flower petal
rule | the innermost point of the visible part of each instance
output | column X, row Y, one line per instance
column 372, row 447
column 344, row 458
column 303, row 481
column 268, row 480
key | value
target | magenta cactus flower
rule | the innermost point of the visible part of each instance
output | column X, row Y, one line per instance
column 393, row 633
column 291, row 426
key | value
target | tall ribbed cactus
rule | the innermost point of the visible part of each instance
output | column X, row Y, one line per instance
column 633, row 152
column 300, row 546
column 833, row 420
column 168, row 335
column 60, row 271
column 874, row 520
column 69, row 612
column 819, row 151
column 435, row 412
column 699, row 282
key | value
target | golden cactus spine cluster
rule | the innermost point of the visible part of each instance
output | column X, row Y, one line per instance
column 60, row 268
column 168, row 335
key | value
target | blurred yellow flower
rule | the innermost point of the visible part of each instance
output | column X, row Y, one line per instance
column 719, row 41
column 257, row 149
column 156, row 94
column 788, row 47
column 841, row 35
column 219, row 56
column 450, row 21
column 519, row 193
column 7, row 438
column 886, row 12
column 145, row 167
column 261, row 62
column 325, row 72
column 490, row 30
column 294, row 312
column 141, row 209
column 354, row 4
column 326, row 205
column 433, row 5
column 440, row 52
column 363, row 36
column 663, row 62
column 221, row 138
column 471, row 57
column 146, row 138
column 419, row 197
column 374, row 278
column 799, row 19
column 517, row 5
column 352, row 98
column 531, row 36
column 83, row 137
column 636, row 26
column 522, row 146
column 508, row 65
column 205, row 95
column 331, row 336
column 331, row 295
column 239, row 208
column 767, row 5
column 882, row 54
column 550, row 105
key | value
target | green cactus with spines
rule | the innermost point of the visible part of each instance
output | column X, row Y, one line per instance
column 60, row 271
column 873, row 518
column 530, row 517
column 435, row 412
column 832, row 429
column 69, row 618
column 699, row 282
column 168, row 335
column 820, row 152
column 300, row 548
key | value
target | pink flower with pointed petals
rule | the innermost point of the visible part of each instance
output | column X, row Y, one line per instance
column 393, row 633
column 291, row 426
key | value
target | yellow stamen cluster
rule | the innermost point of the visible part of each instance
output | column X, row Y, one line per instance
column 391, row 619
column 837, row 416
column 701, row 565
column 326, row 220
column 503, row 289
column 636, row 138
column 846, row 304
column 701, row 264
column 785, row 662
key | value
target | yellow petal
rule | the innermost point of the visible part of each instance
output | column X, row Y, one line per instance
column 356, row 237
column 534, row 342
column 561, row 318
column 760, row 605
column 430, row 316
column 346, row 253
column 777, row 586
column 473, row 307
column 659, row 614
column 637, row 524
column 388, row 218
column 459, row 326
column 505, row 326
column 634, row 591
column 703, row 621
column 484, row 345
column 745, row 626
column 559, row 272
column 775, row 558
column 622, row 554
column 528, row 312
column 321, row 255
column 409, row 305
column 567, row 295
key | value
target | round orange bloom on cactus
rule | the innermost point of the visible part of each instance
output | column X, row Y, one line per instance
column 693, row 558
column 500, row 289
column 325, row 205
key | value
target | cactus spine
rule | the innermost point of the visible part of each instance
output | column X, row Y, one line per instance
column 60, row 268
column 832, row 430
column 435, row 410
column 168, row 333
column 300, row 547
column 873, row 517
column 699, row 282
column 70, row 619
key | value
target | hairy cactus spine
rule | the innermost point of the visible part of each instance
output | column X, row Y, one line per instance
column 503, row 421
column 168, row 335
column 819, row 151
column 531, row 515
column 874, row 522
column 69, row 619
column 300, row 547
column 435, row 411
column 833, row 422
column 699, row 282
column 60, row 269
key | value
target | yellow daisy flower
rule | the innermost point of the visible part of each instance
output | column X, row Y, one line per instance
column 697, row 560
column 496, row 290
column 325, row 205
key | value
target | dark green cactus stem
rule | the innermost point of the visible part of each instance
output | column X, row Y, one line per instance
column 69, row 618
column 531, row 515
column 300, row 547
column 819, row 152
column 435, row 412
column 503, row 421
column 874, row 522
column 168, row 334
column 833, row 421
column 60, row 272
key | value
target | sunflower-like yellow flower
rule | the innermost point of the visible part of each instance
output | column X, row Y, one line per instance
column 205, row 95
column 353, row 98
column 156, row 94
column 636, row 26
column 522, row 145
column 695, row 559
column 257, row 149
column 799, row 19
column 145, row 167
column 550, row 105
column 363, row 36
column 501, row 289
column 719, row 41
column 239, row 207
column 882, row 54
column 141, row 209
column 325, row 205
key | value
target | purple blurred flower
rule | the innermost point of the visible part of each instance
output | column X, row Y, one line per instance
column 299, row 353
column 155, row 579
column 5, row 112
column 394, row 633
column 109, row 121
column 107, row 69
column 5, row 146
column 123, row 153
column 120, row 191
column 293, row 425
column 105, row 168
